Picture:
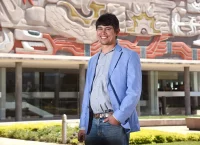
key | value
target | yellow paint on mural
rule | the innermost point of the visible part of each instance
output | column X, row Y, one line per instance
column 140, row 17
column 96, row 8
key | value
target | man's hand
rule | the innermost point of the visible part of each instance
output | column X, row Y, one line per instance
column 81, row 135
column 112, row 120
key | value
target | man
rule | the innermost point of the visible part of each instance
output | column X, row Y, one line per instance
column 112, row 90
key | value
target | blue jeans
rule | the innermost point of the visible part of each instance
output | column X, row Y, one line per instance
column 106, row 134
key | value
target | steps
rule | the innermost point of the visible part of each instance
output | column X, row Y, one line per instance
column 36, row 110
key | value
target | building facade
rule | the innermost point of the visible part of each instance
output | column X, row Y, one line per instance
column 45, row 46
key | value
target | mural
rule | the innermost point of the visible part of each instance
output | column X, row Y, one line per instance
column 153, row 28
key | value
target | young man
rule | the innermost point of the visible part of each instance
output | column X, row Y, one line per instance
column 112, row 90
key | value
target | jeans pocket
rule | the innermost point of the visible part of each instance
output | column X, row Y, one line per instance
column 114, row 125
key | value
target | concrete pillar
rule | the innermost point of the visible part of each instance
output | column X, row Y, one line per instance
column 187, row 91
column 3, row 93
column 198, row 74
column 164, row 111
column 81, row 86
column 138, row 108
column 153, row 89
column 37, row 81
column 57, row 91
column 163, row 99
column 41, row 82
column 18, row 91
column 195, row 88
column 37, row 88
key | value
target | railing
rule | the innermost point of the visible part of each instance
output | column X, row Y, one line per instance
column 176, row 94
column 36, row 110
column 46, row 101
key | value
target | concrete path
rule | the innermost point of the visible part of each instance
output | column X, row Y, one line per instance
column 6, row 141
column 176, row 129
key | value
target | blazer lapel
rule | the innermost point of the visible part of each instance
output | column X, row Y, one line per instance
column 115, row 58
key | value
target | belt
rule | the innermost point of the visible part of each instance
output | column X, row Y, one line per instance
column 102, row 115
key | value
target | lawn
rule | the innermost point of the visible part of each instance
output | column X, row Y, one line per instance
column 166, row 117
column 179, row 143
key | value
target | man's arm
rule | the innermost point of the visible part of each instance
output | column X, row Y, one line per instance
column 133, row 92
column 82, row 124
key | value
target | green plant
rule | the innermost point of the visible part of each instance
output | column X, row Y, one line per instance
column 53, row 133
column 159, row 139
column 193, row 137
column 74, row 141
column 169, row 138
column 142, row 139
column 179, row 137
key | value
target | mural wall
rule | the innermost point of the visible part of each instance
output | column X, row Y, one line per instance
column 153, row 28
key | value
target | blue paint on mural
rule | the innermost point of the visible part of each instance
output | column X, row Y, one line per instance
column 87, row 49
column 143, row 51
column 194, row 54
column 169, row 46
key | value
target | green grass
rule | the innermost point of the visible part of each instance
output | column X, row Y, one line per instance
column 166, row 117
column 179, row 143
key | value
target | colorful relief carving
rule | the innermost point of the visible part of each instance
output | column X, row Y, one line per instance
column 193, row 6
column 182, row 50
column 185, row 19
column 30, row 39
column 34, row 42
column 6, row 40
column 14, row 12
column 30, row 1
column 75, row 16
column 64, row 26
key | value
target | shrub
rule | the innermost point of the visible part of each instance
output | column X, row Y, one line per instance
column 193, row 137
column 180, row 137
column 159, row 139
column 146, row 139
column 19, row 134
column 169, row 138
column 32, row 136
column 52, row 132
column 74, row 141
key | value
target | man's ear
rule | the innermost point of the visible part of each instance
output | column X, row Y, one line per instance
column 117, row 31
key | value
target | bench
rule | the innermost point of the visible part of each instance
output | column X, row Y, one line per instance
column 193, row 123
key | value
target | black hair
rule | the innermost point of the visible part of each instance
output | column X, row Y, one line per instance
column 108, row 19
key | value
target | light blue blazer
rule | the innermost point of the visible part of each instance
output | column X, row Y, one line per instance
column 124, row 88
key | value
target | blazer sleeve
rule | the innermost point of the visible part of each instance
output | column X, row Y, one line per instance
column 133, row 91
column 85, row 103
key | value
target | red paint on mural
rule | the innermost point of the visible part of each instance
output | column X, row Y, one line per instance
column 198, row 54
column 94, row 48
column 61, row 44
column 17, row 44
column 68, row 45
column 157, row 46
column 130, row 45
column 30, row 1
column 182, row 50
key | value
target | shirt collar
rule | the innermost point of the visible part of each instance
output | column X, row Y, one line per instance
column 108, row 51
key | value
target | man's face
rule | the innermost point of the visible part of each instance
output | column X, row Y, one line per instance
column 106, row 35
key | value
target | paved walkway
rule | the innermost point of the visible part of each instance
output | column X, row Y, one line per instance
column 6, row 141
column 176, row 129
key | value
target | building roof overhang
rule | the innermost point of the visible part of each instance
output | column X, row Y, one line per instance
column 60, row 61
